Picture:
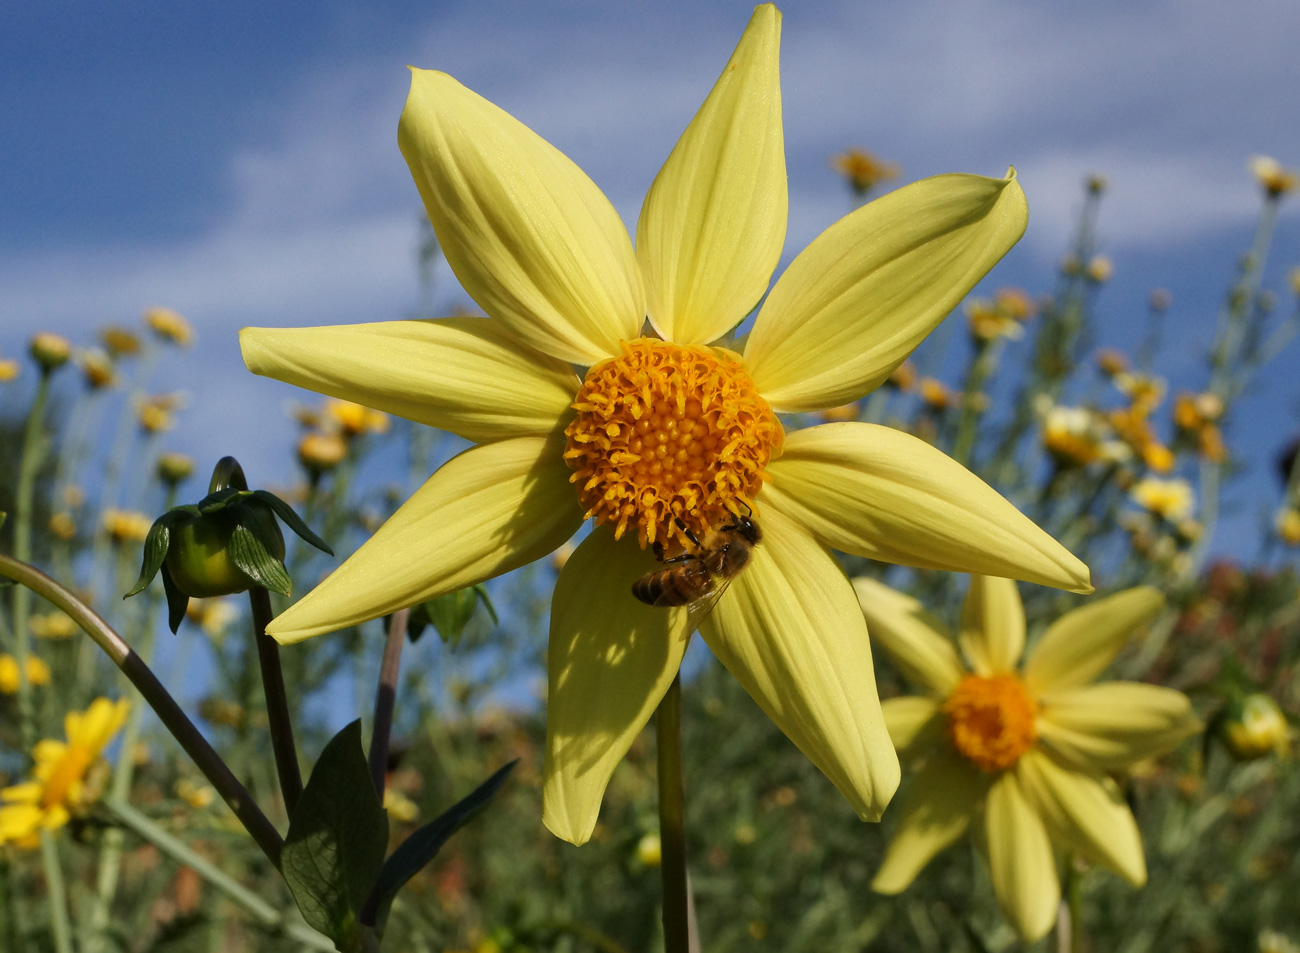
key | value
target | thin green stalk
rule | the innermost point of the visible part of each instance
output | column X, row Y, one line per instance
column 277, row 700
column 672, row 821
column 981, row 367
column 265, row 914
column 386, row 698
column 33, row 448
column 172, row 716
column 58, row 897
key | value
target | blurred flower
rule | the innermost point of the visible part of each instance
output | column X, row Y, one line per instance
column 1160, row 300
column 1074, row 436
column 903, row 377
column 53, row 625
column 1027, row 752
column 1095, row 184
column 213, row 616
column 1100, row 269
column 840, row 413
column 1288, row 526
column 174, row 467
column 197, row 796
column 126, row 526
column 62, row 525
column 119, row 341
column 1254, row 727
column 862, row 170
column 63, row 782
column 1111, row 361
column 1272, row 177
column 155, row 413
column 1271, row 941
column 987, row 322
column 1196, row 416
column 1015, row 303
column 399, row 806
column 1144, row 391
column 354, row 419
column 38, row 673
column 169, row 326
column 1070, row 265
column 97, row 369
column 1171, row 500
column 321, row 452
column 50, row 351
column 846, row 312
column 937, row 395
column 649, row 851
column 1294, row 278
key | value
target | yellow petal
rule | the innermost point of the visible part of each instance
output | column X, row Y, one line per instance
column 912, row 722
column 1084, row 813
column 1020, row 860
column 790, row 630
column 610, row 660
column 29, row 792
column 993, row 625
column 713, row 223
column 19, row 822
column 936, row 809
column 1078, row 646
column 1115, row 724
column 899, row 625
column 857, row 300
column 468, row 376
column 880, row 493
column 487, row 511
column 528, row 235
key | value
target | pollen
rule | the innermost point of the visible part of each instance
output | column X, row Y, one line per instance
column 666, row 433
column 991, row 721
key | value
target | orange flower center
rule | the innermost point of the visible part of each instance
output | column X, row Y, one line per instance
column 991, row 721
column 70, row 770
column 667, row 433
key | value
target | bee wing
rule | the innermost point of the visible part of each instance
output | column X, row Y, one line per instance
column 701, row 608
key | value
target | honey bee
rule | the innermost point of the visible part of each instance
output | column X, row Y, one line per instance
column 698, row 579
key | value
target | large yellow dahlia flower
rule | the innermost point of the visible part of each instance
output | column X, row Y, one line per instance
column 664, row 427
column 1025, row 751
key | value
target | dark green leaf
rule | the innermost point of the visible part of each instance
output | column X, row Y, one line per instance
column 177, row 602
column 249, row 554
column 449, row 614
column 155, row 550
column 337, row 836
column 422, row 846
column 292, row 520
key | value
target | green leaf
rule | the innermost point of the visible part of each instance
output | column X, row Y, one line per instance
column 449, row 614
column 155, row 550
column 248, row 553
column 334, row 851
column 422, row 846
column 177, row 602
column 291, row 519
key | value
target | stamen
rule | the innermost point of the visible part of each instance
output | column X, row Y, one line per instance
column 667, row 433
column 991, row 721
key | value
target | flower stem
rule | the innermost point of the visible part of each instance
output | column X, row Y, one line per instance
column 277, row 700
column 33, row 447
column 672, row 823
column 265, row 914
column 172, row 716
column 58, row 898
column 386, row 698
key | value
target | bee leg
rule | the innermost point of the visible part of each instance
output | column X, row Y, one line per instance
column 688, row 532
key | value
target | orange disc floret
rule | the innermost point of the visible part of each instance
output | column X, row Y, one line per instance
column 991, row 720
column 666, row 433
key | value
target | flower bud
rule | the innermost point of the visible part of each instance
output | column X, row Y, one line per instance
column 321, row 452
column 1255, row 727
column 199, row 558
column 119, row 341
column 9, row 370
column 649, row 851
column 97, row 369
column 174, row 467
column 169, row 326
column 50, row 351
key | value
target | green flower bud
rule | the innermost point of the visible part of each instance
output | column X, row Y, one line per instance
column 50, row 350
column 174, row 467
column 229, row 542
column 1254, row 727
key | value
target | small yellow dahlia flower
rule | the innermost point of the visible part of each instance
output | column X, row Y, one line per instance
column 38, row 673
column 1025, row 751
column 61, row 784
column 667, row 431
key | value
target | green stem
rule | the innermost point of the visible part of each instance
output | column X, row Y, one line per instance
column 277, row 700
column 672, row 822
column 386, row 698
column 58, row 897
column 172, row 716
column 981, row 366
column 265, row 914
column 33, row 446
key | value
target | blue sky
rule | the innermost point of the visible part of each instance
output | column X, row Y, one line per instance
column 238, row 162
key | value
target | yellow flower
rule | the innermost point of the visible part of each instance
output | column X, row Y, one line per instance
column 1272, row 176
column 1171, row 500
column 666, row 433
column 354, row 419
column 1288, row 526
column 1025, row 751
column 97, row 369
column 126, row 526
column 53, row 625
column 169, row 326
column 38, row 673
column 119, row 341
column 649, row 851
column 1074, row 436
column 197, row 796
column 399, row 806
column 62, row 783
column 156, row 413
column 1100, row 269
column 1255, row 727
column 862, row 170
column 213, row 616
column 9, row 369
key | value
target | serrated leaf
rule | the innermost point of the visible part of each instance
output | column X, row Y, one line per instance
column 177, row 602
column 292, row 519
column 334, row 850
column 416, row 851
column 155, row 551
column 248, row 553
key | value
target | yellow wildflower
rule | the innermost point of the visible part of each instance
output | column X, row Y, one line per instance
column 197, row 796
column 126, row 526
column 842, row 412
column 1015, row 303
column 354, row 419
column 1111, row 361
column 156, row 413
column 667, row 436
column 62, row 525
column 97, row 369
column 50, row 350
column 399, row 806
column 9, row 369
column 213, row 616
column 38, row 673
column 53, row 625
column 903, row 377
column 1272, row 176
column 936, row 394
column 862, row 170
column 64, row 780
column 1025, row 751
column 987, row 322
column 321, row 452
column 1074, row 436
column 119, row 341
column 1255, row 727
column 169, row 326
column 1288, row 526
column 1100, row 269
column 1171, row 500
column 649, row 851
